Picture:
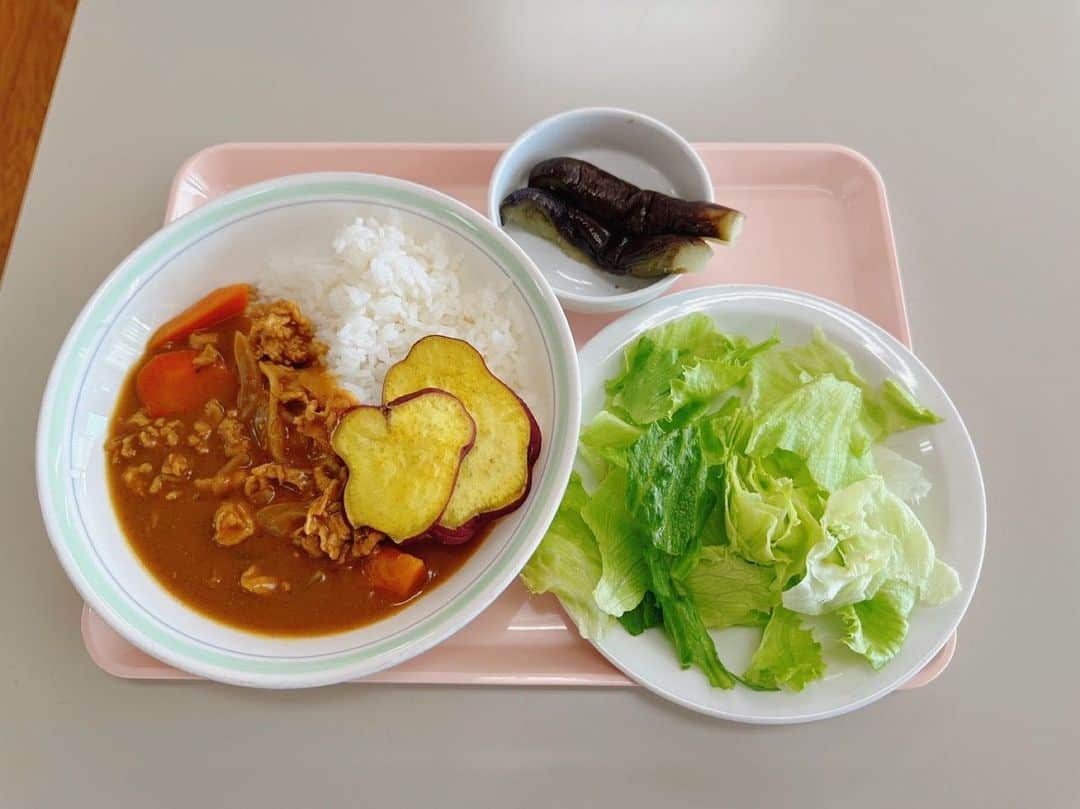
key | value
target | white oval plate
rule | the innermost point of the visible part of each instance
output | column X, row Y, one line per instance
column 954, row 512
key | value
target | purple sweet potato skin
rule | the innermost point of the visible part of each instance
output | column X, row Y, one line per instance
column 464, row 533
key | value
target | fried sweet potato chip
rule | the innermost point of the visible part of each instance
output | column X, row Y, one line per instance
column 495, row 475
column 404, row 459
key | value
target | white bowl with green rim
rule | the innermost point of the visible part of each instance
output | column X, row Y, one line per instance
column 228, row 241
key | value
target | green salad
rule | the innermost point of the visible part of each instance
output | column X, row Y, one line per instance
column 745, row 484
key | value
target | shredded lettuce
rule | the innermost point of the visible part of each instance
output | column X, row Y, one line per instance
column 745, row 484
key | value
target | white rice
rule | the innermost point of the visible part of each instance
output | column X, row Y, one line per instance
column 383, row 289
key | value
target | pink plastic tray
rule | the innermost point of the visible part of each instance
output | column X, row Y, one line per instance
column 817, row 221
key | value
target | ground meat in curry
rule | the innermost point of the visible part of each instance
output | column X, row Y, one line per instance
column 235, row 505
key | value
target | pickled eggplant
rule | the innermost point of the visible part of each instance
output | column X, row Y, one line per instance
column 625, row 207
column 586, row 239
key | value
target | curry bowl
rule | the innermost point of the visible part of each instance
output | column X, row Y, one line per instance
column 234, row 240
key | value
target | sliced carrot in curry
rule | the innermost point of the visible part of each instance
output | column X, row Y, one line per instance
column 219, row 305
column 400, row 574
column 170, row 383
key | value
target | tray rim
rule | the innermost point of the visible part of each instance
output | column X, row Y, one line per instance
column 173, row 211
column 176, row 207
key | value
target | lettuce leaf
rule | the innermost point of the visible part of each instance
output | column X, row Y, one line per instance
column 759, row 510
column 705, row 380
column 683, row 624
column 788, row 656
column 643, row 390
column 943, row 584
column 609, row 437
column 644, row 616
column 729, row 591
column 876, row 628
column 887, row 409
column 713, row 531
column 792, row 549
column 892, row 409
column 667, row 490
column 868, row 536
column 693, row 646
column 695, row 334
column 902, row 477
column 819, row 422
column 683, row 365
column 624, row 576
column 722, row 431
column 776, row 375
column 567, row 563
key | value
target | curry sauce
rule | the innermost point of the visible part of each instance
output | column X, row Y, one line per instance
column 233, row 500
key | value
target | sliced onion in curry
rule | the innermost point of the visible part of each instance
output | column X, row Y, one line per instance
column 275, row 426
column 247, row 369
column 281, row 519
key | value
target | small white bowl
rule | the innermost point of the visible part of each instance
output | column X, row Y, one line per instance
column 227, row 241
column 633, row 146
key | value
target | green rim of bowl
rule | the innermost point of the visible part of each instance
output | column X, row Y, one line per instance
column 56, row 423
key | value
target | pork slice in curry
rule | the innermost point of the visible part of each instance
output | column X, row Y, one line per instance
column 224, row 480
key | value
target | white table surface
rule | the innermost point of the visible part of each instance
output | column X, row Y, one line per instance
column 970, row 110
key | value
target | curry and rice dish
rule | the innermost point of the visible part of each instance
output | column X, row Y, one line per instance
column 262, row 492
